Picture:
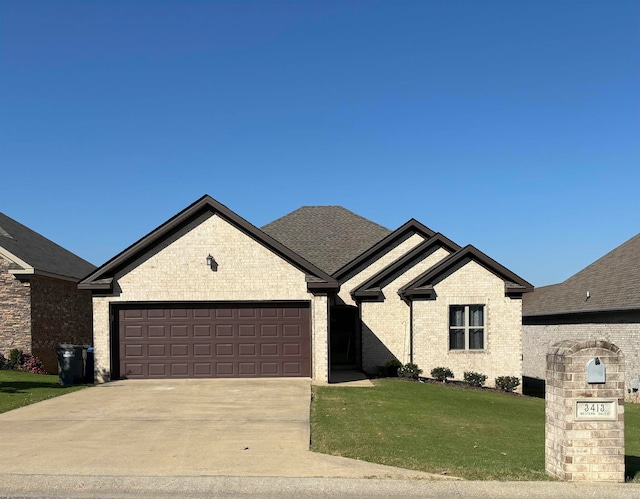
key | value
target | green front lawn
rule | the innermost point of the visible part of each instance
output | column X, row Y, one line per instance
column 473, row 434
column 19, row 388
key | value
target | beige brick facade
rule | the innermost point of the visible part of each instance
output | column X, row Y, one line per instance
column 177, row 271
column 376, row 266
column 386, row 325
column 472, row 284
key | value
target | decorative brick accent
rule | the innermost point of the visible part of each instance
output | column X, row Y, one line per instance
column 589, row 449
column 15, row 311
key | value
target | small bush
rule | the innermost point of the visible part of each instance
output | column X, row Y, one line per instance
column 507, row 383
column 441, row 373
column 15, row 358
column 31, row 364
column 474, row 378
column 4, row 363
column 410, row 370
column 392, row 367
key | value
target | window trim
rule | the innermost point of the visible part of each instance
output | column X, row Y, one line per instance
column 466, row 328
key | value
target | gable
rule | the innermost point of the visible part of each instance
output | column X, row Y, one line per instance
column 206, row 207
column 392, row 241
column 419, row 259
column 423, row 285
column 178, row 270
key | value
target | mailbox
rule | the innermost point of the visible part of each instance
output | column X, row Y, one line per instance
column 596, row 372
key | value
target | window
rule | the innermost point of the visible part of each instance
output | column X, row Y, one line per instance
column 466, row 327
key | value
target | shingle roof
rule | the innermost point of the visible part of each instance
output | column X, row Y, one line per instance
column 613, row 283
column 39, row 252
column 327, row 236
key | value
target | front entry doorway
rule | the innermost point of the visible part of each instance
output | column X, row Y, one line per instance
column 344, row 338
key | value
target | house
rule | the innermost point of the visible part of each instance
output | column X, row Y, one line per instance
column 207, row 294
column 600, row 302
column 40, row 304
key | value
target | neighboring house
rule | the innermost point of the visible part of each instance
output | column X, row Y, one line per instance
column 207, row 294
column 600, row 302
column 40, row 303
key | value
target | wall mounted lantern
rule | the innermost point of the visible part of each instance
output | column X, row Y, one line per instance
column 211, row 262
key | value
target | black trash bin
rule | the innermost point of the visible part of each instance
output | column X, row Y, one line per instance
column 89, row 366
column 71, row 361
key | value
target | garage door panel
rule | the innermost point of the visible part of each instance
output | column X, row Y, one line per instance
column 247, row 350
column 247, row 330
column 224, row 330
column 202, row 330
column 202, row 350
column 216, row 341
column 269, row 330
column 224, row 369
column 131, row 331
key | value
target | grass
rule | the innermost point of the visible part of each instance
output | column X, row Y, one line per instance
column 472, row 434
column 19, row 388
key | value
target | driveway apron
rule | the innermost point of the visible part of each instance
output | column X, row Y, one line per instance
column 230, row 427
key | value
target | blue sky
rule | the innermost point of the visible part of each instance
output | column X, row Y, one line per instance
column 512, row 126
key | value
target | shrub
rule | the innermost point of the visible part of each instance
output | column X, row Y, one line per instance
column 31, row 364
column 15, row 358
column 392, row 367
column 474, row 378
column 4, row 363
column 441, row 373
column 507, row 383
column 410, row 370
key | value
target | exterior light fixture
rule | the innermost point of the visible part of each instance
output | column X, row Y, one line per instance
column 211, row 262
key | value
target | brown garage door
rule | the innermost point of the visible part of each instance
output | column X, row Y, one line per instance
column 214, row 341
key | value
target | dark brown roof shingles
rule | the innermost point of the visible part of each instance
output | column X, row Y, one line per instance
column 327, row 236
column 39, row 252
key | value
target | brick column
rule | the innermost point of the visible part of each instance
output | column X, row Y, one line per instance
column 584, row 433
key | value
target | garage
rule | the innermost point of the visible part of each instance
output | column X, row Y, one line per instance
column 213, row 340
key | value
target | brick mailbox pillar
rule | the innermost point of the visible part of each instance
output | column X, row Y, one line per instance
column 584, row 432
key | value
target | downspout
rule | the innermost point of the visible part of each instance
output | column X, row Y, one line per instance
column 411, row 331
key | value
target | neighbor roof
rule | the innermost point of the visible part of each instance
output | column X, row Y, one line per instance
column 32, row 253
column 613, row 283
column 327, row 236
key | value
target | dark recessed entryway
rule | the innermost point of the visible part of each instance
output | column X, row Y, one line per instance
column 220, row 340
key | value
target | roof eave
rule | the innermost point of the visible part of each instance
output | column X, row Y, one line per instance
column 631, row 308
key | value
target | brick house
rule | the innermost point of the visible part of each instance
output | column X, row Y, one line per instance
column 40, row 304
column 601, row 302
column 207, row 294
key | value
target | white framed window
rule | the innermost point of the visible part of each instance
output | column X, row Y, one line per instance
column 466, row 327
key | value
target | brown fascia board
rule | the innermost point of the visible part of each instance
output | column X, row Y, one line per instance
column 384, row 245
column 203, row 204
column 431, row 276
column 589, row 311
column 377, row 281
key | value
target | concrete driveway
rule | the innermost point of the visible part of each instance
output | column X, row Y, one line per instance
column 175, row 428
